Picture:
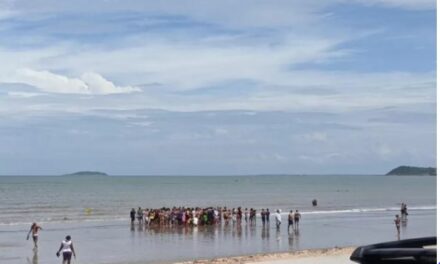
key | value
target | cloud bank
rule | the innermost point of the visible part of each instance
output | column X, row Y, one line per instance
column 88, row 83
column 213, row 87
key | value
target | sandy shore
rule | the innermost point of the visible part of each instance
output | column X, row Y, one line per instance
column 323, row 256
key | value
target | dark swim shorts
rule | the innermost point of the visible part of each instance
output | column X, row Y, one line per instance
column 67, row 255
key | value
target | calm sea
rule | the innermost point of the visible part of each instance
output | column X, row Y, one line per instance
column 52, row 199
column 352, row 210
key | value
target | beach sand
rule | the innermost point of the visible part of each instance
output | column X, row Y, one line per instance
column 323, row 256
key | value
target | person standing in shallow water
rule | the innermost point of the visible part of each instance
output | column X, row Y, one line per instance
column 290, row 221
column 252, row 216
column 34, row 230
column 397, row 224
column 132, row 215
column 296, row 217
column 140, row 215
column 246, row 215
column 267, row 215
column 67, row 249
column 403, row 211
column 263, row 217
column 278, row 218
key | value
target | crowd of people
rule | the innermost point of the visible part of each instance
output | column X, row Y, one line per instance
column 208, row 216
column 199, row 216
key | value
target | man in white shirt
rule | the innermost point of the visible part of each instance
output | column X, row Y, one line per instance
column 278, row 218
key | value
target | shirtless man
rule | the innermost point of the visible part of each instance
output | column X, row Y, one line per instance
column 290, row 220
column 296, row 217
column 34, row 230
column 263, row 216
column 267, row 215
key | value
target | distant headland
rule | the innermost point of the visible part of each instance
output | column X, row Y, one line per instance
column 87, row 173
column 410, row 170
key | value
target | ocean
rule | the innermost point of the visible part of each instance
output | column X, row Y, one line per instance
column 352, row 210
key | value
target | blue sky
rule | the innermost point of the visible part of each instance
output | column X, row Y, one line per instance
column 217, row 87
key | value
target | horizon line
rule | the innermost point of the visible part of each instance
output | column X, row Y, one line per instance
column 197, row 175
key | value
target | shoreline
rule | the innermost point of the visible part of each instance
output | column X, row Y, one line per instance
column 329, row 255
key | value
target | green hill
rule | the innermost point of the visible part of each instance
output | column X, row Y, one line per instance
column 87, row 173
column 409, row 170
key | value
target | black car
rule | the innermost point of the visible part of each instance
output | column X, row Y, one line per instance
column 408, row 251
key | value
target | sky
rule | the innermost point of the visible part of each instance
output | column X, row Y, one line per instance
column 217, row 87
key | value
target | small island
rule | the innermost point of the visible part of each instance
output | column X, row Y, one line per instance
column 87, row 173
column 415, row 171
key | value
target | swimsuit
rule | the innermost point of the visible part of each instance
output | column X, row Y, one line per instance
column 67, row 251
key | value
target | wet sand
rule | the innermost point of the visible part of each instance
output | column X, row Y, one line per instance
column 323, row 256
column 119, row 243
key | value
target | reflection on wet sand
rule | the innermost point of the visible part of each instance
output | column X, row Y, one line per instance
column 265, row 232
column 223, row 232
column 34, row 257
column 293, row 239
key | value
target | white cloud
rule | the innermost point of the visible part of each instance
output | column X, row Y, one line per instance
column 141, row 124
column 229, row 13
column 353, row 91
column 183, row 63
column 186, row 65
column 98, row 85
column 24, row 94
column 50, row 82
column 316, row 136
column 90, row 83
column 78, row 132
column 404, row 4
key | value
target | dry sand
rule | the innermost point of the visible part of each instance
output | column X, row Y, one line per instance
column 321, row 256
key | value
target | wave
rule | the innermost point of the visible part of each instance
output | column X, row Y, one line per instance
column 364, row 210
column 119, row 218
column 70, row 221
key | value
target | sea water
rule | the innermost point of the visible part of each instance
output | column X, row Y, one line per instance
column 352, row 210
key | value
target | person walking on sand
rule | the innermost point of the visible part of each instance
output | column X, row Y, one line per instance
column 34, row 230
column 290, row 220
column 278, row 218
column 67, row 249
column 296, row 217
column 397, row 223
